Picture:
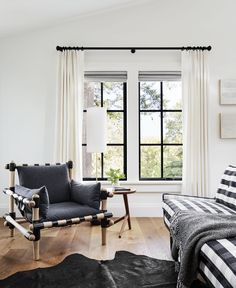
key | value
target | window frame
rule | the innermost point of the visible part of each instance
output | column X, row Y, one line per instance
column 124, row 144
column 161, row 144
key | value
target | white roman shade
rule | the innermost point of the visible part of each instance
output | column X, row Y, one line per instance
column 159, row 75
column 105, row 76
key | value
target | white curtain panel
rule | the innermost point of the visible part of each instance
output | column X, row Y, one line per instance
column 68, row 144
column 195, row 84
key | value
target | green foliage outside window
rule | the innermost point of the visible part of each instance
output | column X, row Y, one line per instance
column 150, row 156
column 150, row 99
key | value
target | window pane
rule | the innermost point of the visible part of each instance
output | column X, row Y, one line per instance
column 172, row 127
column 173, row 161
column 150, row 95
column 172, row 95
column 115, row 127
column 113, row 158
column 92, row 94
column 150, row 161
column 150, row 127
column 89, row 164
column 113, row 95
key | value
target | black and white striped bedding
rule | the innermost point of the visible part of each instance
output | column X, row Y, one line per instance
column 226, row 193
column 218, row 257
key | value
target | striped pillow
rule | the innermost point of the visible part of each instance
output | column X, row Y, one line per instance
column 226, row 193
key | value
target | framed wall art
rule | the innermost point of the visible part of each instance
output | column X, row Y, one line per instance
column 228, row 125
column 228, row 91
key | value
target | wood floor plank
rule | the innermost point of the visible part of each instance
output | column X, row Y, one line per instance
column 148, row 236
column 155, row 237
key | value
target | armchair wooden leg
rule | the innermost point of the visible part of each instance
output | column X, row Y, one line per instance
column 36, row 231
column 104, row 236
column 13, row 215
column 12, row 232
column 11, row 227
column 104, row 224
column 12, row 168
column 36, row 250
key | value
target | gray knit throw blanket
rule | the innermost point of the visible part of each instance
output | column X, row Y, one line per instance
column 190, row 230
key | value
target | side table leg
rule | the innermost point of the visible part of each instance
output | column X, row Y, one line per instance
column 127, row 209
column 123, row 226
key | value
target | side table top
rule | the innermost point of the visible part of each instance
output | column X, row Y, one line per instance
column 121, row 192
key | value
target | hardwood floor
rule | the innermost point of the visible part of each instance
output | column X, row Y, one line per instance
column 148, row 236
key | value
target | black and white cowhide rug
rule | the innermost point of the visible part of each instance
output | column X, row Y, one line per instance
column 77, row 271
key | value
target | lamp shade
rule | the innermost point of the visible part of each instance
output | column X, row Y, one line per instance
column 96, row 129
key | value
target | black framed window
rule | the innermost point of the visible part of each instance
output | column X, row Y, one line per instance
column 160, row 127
column 108, row 91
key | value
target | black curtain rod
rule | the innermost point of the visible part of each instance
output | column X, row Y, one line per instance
column 133, row 49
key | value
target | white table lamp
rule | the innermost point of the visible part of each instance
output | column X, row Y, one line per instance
column 96, row 130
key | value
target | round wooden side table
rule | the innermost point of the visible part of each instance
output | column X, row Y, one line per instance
column 126, row 217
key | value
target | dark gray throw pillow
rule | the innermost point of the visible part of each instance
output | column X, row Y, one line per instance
column 54, row 177
column 88, row 194
column 44, row 199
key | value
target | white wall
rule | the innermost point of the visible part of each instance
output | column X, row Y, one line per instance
column 28, row 76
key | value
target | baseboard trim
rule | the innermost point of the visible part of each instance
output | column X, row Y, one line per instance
column 137, row 209
column 3, row 210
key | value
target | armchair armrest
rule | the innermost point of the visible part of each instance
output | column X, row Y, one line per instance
column 20, row 199
column 105, row 193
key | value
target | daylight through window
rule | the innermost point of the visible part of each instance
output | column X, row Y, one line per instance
column 160, row 126
column 106, row 90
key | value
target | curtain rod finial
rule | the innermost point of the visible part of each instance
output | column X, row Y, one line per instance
column 58, row 48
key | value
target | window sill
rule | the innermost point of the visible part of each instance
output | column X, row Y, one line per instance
column 148, row 182
column 147, row 186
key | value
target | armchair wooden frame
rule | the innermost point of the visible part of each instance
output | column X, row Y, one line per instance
column 33, row 233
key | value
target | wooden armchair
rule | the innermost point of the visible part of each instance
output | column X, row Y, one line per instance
column 48, row 197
